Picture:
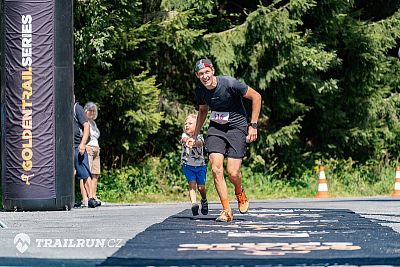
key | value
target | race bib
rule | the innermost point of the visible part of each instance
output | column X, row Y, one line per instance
column 219, row 117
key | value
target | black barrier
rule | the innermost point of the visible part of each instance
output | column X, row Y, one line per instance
column 36, row 104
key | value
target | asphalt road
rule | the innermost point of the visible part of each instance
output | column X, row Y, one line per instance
column 89, row 237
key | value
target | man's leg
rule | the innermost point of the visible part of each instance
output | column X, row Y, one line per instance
column 92, row 203
column 79, row 173
column 88, row 187
column 83, row 193
column 84, row 170
column 217, row 166
column 233, row 170
column 235, row 176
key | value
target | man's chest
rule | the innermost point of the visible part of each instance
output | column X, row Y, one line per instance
column 218, row 99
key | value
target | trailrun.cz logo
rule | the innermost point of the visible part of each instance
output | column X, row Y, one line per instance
column 22, row 242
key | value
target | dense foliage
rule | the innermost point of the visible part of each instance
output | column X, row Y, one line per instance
column 327, row 71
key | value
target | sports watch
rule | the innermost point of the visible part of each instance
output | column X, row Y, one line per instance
column 253, row 125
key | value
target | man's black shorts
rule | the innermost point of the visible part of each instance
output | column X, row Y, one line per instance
column 228, row 141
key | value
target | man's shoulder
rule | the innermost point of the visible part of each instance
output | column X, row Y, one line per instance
column 80, row 113
column 226, row 77
column 77, row 107
column 229, row 80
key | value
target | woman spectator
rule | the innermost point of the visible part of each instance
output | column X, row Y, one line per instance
column 92, row 147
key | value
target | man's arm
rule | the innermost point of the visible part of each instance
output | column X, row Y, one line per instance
column 196, row 143
column 255, row 98
column 86, row 132
column 201, row 117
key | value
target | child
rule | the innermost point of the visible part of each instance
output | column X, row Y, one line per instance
column 193, row 165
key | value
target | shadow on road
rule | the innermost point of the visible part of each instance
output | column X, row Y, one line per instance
column 20, row 261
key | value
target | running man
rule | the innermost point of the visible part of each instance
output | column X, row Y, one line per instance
column 228, row 130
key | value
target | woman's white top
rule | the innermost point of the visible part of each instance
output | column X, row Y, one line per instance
column 94, row 134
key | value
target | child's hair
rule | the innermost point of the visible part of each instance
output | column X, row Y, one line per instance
column 190, row 116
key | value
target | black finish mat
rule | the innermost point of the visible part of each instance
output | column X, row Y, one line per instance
column 263, row 237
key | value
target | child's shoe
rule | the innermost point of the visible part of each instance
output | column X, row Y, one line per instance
column 195, row 209
column 204, row 206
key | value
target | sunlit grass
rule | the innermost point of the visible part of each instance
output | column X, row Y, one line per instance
column 161, row 180
column 346, row 182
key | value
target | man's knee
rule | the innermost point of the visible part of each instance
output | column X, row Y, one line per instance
column 218, row 171
column 233, row 173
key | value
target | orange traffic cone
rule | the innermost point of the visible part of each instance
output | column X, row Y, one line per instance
column 396, row 192
column 322, row 185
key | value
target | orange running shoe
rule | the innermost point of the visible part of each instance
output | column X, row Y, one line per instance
column 243, row 204
column 225, row 216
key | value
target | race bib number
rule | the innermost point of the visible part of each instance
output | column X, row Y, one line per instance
column 219, row 117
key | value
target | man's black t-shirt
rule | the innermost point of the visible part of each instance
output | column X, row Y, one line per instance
column 225, row 102
column 79, row 119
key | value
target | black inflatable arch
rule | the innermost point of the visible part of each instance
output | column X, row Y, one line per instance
column 36, row 104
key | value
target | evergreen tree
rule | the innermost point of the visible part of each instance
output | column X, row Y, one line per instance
column 326, row 70
column 108, row 34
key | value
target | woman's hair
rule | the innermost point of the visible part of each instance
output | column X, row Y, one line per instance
column 93, row 106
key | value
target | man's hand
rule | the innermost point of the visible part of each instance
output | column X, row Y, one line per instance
column 252, row 135
column 190, row 142
column 255, row 98
column 82, row 149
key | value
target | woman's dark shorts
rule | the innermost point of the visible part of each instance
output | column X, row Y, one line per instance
column 228, row 141
column 81, row 163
